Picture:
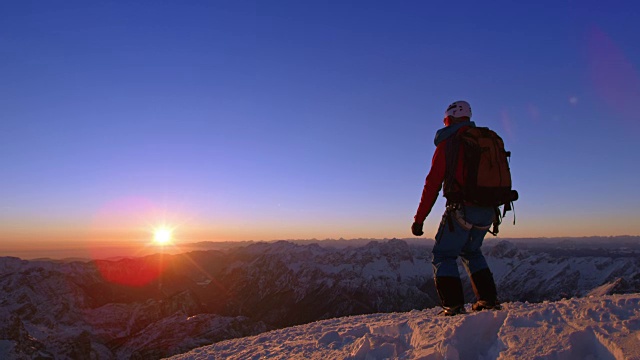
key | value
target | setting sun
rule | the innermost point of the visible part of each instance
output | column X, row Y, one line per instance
column 162, row 236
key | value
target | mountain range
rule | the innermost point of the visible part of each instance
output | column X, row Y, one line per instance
column 162, row 305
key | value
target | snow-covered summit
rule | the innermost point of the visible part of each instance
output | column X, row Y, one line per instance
column 606, row 327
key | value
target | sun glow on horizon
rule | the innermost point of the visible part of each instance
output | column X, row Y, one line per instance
column 162, row 236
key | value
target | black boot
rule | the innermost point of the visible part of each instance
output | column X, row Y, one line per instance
column 451, row 295
column 485, row 289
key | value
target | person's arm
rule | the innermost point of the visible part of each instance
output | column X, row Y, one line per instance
column 432, row 184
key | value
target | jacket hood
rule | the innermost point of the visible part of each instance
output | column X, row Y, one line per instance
column 446, row 132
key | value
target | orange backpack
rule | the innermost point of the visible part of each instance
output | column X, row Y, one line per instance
column 486, row 173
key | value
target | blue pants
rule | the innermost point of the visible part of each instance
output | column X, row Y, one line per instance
column 461, row 242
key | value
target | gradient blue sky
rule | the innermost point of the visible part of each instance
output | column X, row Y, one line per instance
column 302, row 119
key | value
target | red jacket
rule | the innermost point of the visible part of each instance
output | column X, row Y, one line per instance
column 435, row 179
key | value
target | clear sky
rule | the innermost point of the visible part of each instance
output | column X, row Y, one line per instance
column 308, row 119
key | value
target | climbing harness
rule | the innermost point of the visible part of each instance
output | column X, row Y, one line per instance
column 456, row 211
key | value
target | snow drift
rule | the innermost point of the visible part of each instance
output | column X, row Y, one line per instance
column 605, row 327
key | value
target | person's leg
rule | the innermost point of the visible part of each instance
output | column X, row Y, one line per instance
column 481, row 277
column 471, row 253
column 484, row 287
column 445, row 268
column 474, row 262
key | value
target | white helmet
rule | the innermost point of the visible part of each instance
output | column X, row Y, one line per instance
column 459, row 109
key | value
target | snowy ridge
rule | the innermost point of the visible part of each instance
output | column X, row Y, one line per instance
column 179, row 302
column 606, row 327
column 537, row 276
column 284, row 284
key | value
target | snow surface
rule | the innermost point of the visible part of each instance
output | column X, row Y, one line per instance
column 597, row 327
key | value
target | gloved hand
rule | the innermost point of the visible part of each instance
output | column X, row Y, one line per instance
column 416, row 229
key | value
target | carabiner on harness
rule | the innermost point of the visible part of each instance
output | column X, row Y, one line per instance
column 456, row 211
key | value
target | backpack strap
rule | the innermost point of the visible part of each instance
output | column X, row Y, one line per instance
column 496, row 222
column 508, row 206
column 498, row 217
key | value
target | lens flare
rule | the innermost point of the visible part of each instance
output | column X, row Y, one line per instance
column 162, row 236
column 614, row 77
